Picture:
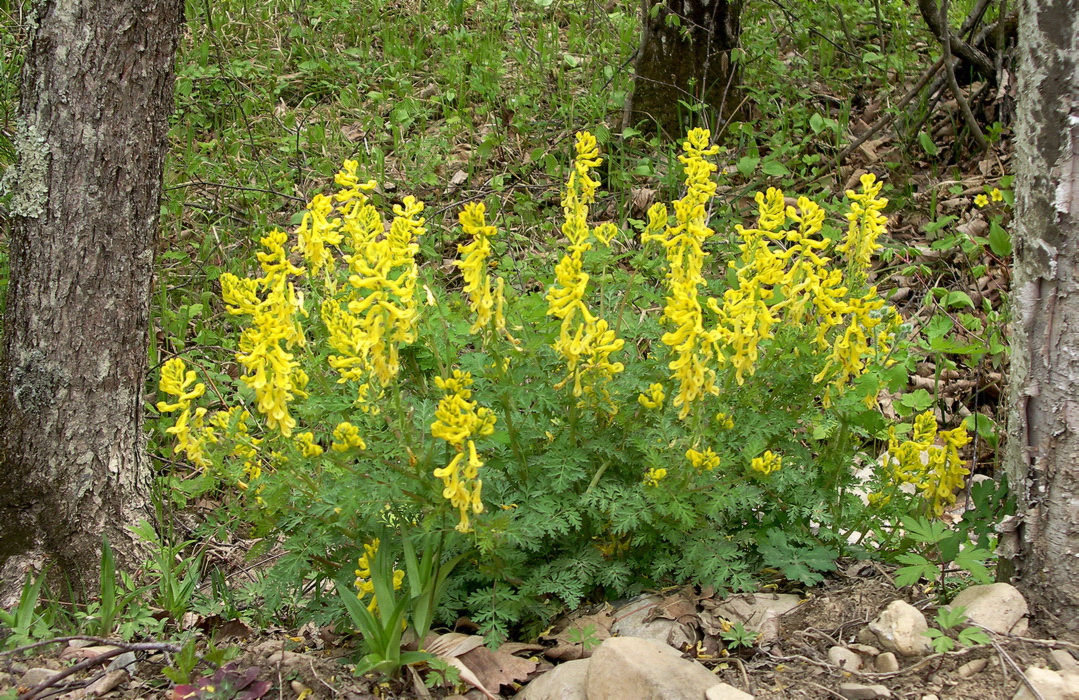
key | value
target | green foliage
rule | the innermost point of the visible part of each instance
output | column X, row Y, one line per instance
column 737, row 636
column 25, row 623
column 948, row 619
column 934, row 552
column 176, row 576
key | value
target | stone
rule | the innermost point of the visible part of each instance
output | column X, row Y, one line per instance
column 999, row 607
column 726, row 692
column 899, row 628
column 887, row 663
column 844, row 658
column 1051, row 685
column 629, row 667
column 36, row 676
column 864, row 649
column 1063, row 660
column 629, row 621
column 563, row 682
column 971, row 667
column 861, row 691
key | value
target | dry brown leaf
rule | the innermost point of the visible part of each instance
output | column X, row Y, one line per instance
column 453, row 644
column 495, row 668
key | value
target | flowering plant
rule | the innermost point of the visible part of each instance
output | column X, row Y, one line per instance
column 567, row 439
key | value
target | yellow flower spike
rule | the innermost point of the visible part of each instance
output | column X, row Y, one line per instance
column 485, row 302
column 308, row 446
column 936, row 471
column 458, row 420
column 175, row 380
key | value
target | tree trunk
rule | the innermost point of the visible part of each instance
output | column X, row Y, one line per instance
column 687, row 61
column 96, row 95
column 1043, row 434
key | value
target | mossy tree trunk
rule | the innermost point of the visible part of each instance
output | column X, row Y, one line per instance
column 685, row 59
column 1043, row 434
column 96, row 93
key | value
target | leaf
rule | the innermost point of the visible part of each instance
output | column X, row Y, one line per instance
column 747, row 165
column 816, row 123
column 1000, row 241
column 927, row 143
column 775, row 169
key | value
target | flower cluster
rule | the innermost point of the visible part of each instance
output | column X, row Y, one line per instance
column 458, row 420
column 703, row 461
column 364, row 585
column 585, row 342
column 654, row 398
column 694, row 347
column 653, row 476
column 766, row 463
column 274, row 306
column 484, row 301
column 190, row 431
column 982, row 200
column 377, row 310
column 936, row 471
column 784, row 276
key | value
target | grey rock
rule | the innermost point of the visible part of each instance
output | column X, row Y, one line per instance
column 971, row 667
column 844, row 658
column 1051, row 685
column 996, row 606
column 630, row 622
column 1063, row 660
column 563, row 682
column 861, row 691
column 36, row 676
column 887, row 663
column 726, row 692
column 628, row 667
column 899, row 628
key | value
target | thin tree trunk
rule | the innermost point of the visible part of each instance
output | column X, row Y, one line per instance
column 1043, row 449
column 688, row 61
column 96, row 95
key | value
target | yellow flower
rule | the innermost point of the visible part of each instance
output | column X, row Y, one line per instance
column 981, row 200
column 485, row 302
column 767, row 463
column 584, row 342
column 175, row 380
column 308, row 446
column 458, row 420
column 936, row 471
column 190, row 432
column 273, row 372
column 693, row 346
column 724, row 421
column 996, row 195
column 654, row 397
column 653, row 476
column 346, row 436
column 703, row 461
column 867, row 224
column 364, row 585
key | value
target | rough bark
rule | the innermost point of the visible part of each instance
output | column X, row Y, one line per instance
column 96, row 93
column 688, row 62
column 1043, row 454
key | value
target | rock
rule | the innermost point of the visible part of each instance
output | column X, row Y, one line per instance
column 1063, row 660
column 1051, row 685
column 726, row 692
column 999, row 607
column 629, row 667
column 299, row 689
column 564, row 682
column 861, row 691
column 630, row 622
column 36, row 676
column 971, row 667
column 864, row 649
column 899, row 628
column 844, row 659
column 866, row 637
column 930, row 697
column 887, row 663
